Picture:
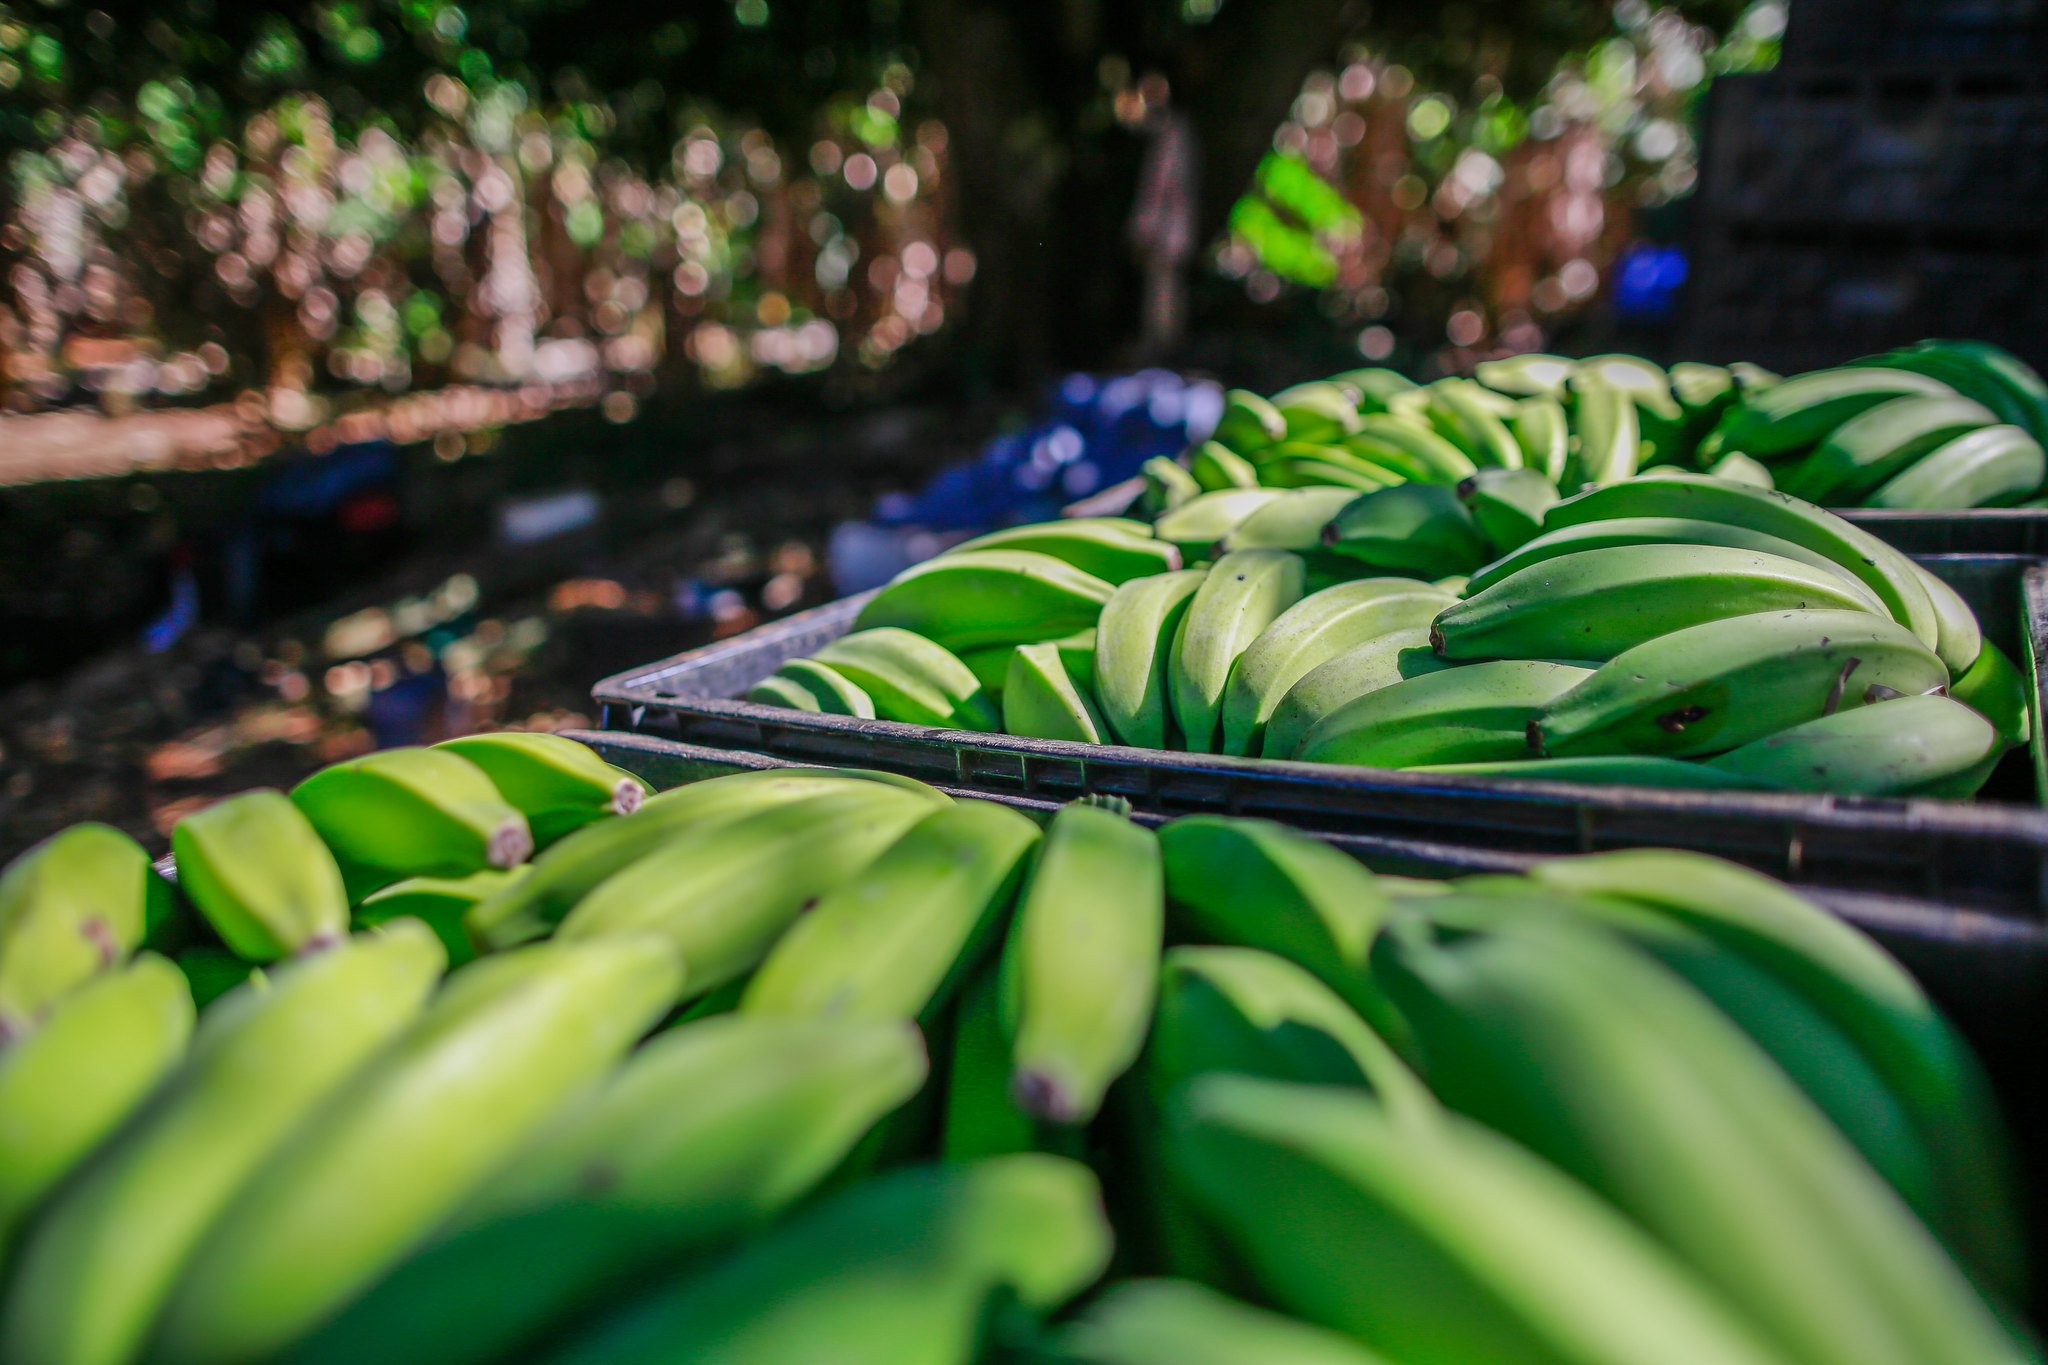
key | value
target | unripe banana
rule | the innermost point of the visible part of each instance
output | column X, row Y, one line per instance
column 1216, row 466
column 259, row 873
column 1737, row 467
column 69, row 1085
column 1318, row 411
column 905, row 1268
column 812, row 686
column 982, row 1117
column 71, row 907
column 510, row 1039
column 1199, row 523
column 1462, row 417
column 1508, row 504
column 2015, row 375
column 1400, row 443
column 1167, row 485
column 1529, row 375
column 1382, row 662
column 1106, row 547
column 92, row 1279
column 1796, row 413
column 706, row 1132
column 1961, row 372
column 1375, row 385
column 1994, row 688
column 441, row 903
column 1417, row 528
column 1993, row 466
column 1314, row 630
column 1870, row 448
column 1293, row 521
column 1959, row 637
column 1179, row 1322
column 723, row 896
column 1604, row 534
column 1882, row 569
column 910, row 678
column 557, row 784
column 776, row 690
column 896, row 939
column 986, row 597
column 402, row 813
column 1081, row 967
column 1461, row 715
column 1502, row 1257
column 1295, row 471
column 1596, row 603
column 1609, row 432
column 1867, row 751
column 1249, row 423
column 1635, row 770
column 1134, row 652
column 1243, row 594
column 1720, row 685
column 1041, row 700
column 1702, row 390
column 531, row 907
column 1864, row 993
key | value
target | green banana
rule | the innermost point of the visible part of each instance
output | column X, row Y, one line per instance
column 510, row 1040
column 1462, row 715
column 1501, row 1257
column 1179, row 1322
column 69, row 1085
column 1994, row 377
column 723, row 896
column 1607, row 533
column 1167, row 485
column 1106, row 547
column 1992, row 466
column 1872, row 446
column 1863, row 992
column 1041, row 699
column 1869, row 751
column 1391, row 658
column 1318, row 411
column 1596, row 603
column 1794, row 414
column 1635, row 770
column 894, row 940
column 1249, row 423
column 1737, row 467
column 1959, row 637
column 776, row 690
column 1507, row 504
column 905, row 1268
column 531, row 907
column 1327, row 471
column 986, row 597
column 1199, row 523
column 1464, row 419
column 1722, row 684
column 1609, row 432
column 1530, row 375
column 982, row 1117
column 92, row 1279
column 1374, row 385
column 819, row 687
column 1883, row 570
column 1292, row 521
column 72, row 907
column 1750, row 378
column 1702, row 389
column 1544, row 433
column 261, row 876
column 401, row 813
column 1134, row 652
column 1417, row 528
column 557, row 784
column 1245, row 592
column 1216, row 467
column 1314, row 630
column 1994, row 688
column 1602, row 1060
column 1081, row 966
column 441, row 903
column 1399, row 443
column 705, row 1133
column 911, row 678
column 2017, row 377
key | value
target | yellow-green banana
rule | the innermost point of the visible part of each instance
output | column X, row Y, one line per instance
column 1403, row 444
column 1722, row 684
column 913, row 679
column 1508, row 504
column 557, row 784
column 1596, row 603
column 1041, row 699
column 1461, row 715
column 986, row 597
column 93, row 1279
column 261, row 876
column 1179, row 1322
column 1461, row 416
column 1994, row 688
column 1789, row 416
column 1545, row 434
column 1381, row 662
column 1249, row 423
column 1081, row 967
column 1609, row 432
column 441, row 903
column 1637, row 770
column 1532, row 374
column 1167, row 485
column 1216, row 467
column 1375, row 384
column 411, row 812
column 1319, row 410
column 809, row 685
column 1417, row 528
column 1993, row 466
column 1199, row 523
column 1293, row 521
column 1868, row 449
column 1110, row 548
column 1134, row 652
column 1960, row 637
column 1869, row 751
column 1610, row 532
column 1243, row 594
column 894, row 940
column 70, row 908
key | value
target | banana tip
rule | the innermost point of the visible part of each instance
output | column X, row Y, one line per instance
column 510, row 845
column 1043, row 1097
column 627, row 796
column 1534, row 734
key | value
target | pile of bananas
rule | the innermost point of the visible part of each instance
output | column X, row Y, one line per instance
column 816, row 1066
column 1672, row 629
column 1940, row 425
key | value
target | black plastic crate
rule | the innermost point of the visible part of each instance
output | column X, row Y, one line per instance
column 1989, row 855
column 1976, row 531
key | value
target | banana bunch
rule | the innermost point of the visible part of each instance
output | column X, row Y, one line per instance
column 825, row 1066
